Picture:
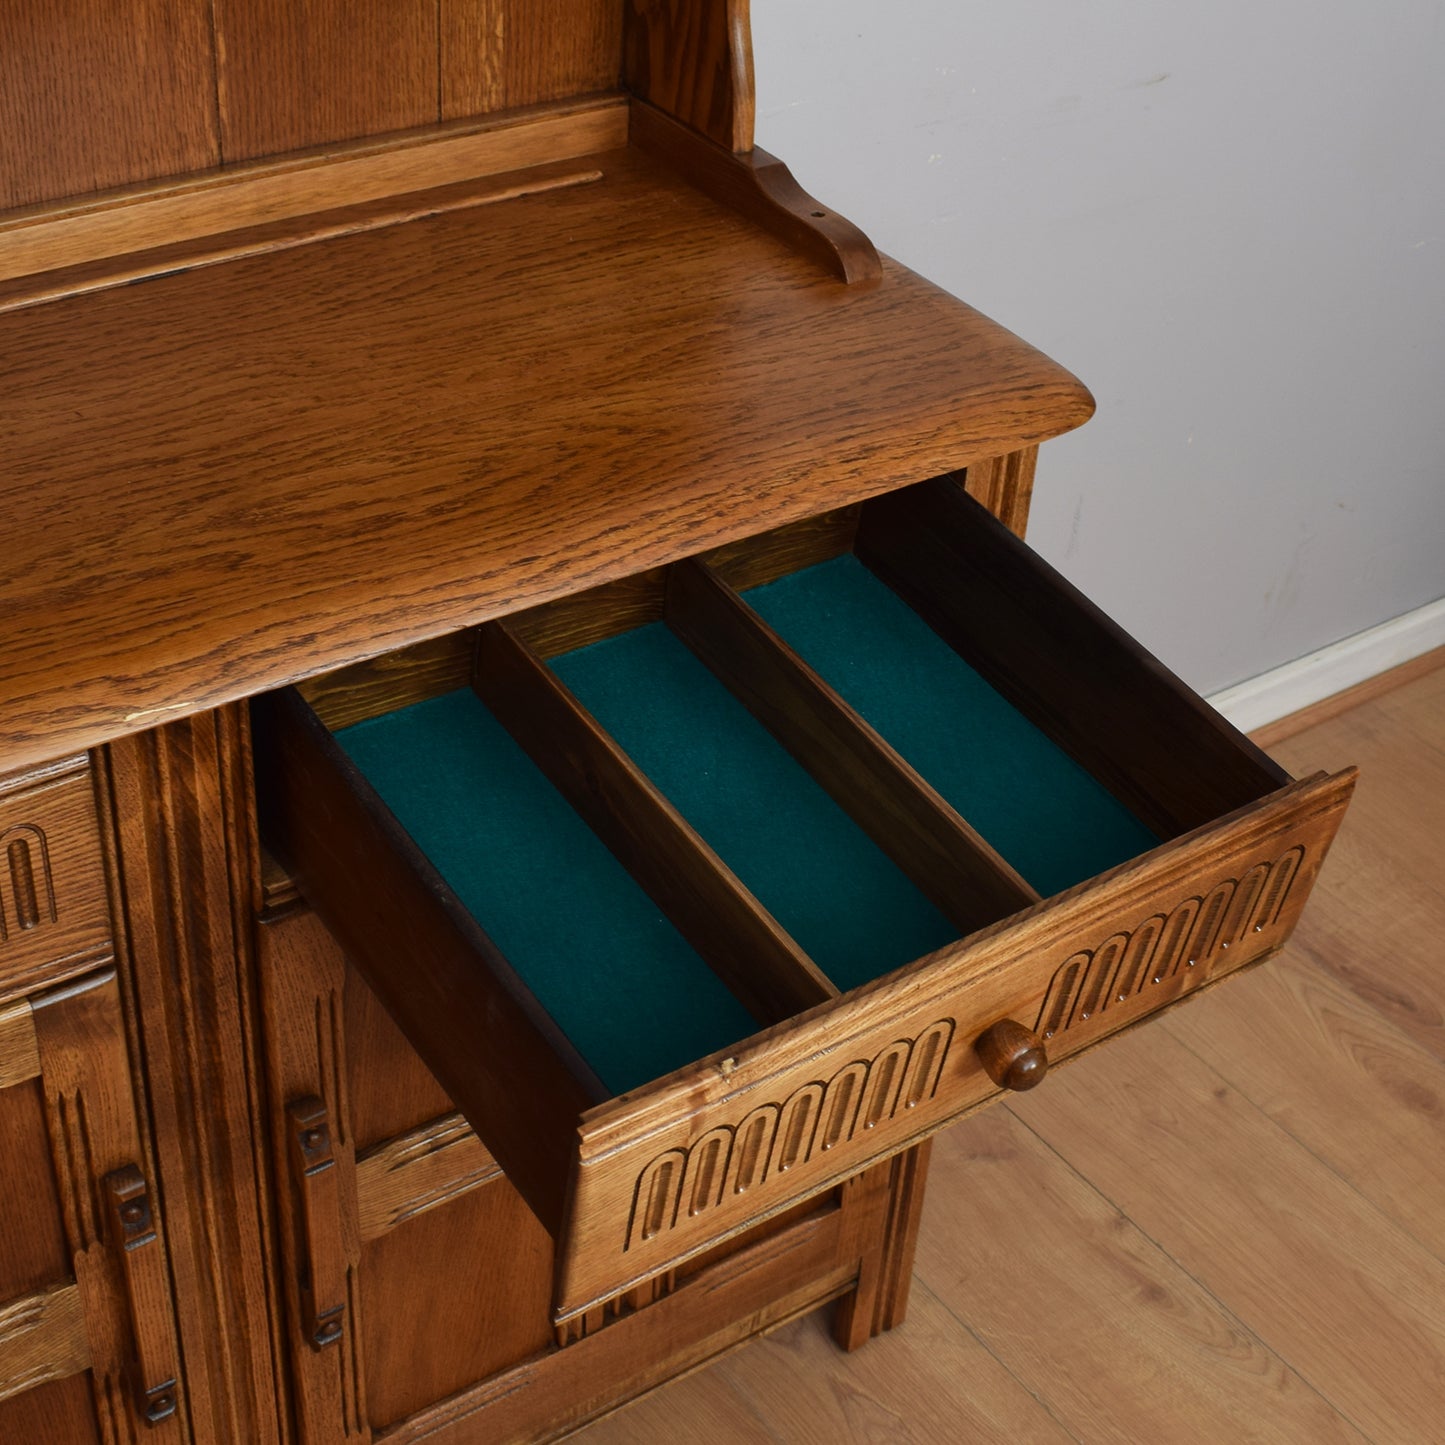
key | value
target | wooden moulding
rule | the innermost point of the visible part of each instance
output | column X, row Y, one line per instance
column 139, row 218
column 42, row 1338
column 285, row 235
column 1163, row 751
column 419, row 1170
column 19, row 1054
column 54, row 911
column 180, row 802
column 960, row 873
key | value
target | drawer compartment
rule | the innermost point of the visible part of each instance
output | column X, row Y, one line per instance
column 700, row 892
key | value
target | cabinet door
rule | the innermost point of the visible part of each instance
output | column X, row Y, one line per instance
column 412, row 1267
column 88, row 1346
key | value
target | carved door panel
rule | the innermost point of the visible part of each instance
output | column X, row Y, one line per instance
column 412, row 1267
column 88, row 1343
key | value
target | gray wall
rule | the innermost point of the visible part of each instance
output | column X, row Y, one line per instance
column 1226, row 218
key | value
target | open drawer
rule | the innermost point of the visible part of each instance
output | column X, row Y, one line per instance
column 705, row 890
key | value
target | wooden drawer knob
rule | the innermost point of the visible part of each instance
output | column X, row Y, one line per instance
column 1012, row 1056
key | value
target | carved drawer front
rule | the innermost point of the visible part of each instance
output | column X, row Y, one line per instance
column 705, row 890
column 54, row 918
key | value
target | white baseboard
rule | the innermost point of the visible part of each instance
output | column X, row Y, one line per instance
column 1310, row 679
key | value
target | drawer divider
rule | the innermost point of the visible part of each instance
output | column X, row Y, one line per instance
column 1081, row 678
column 723, row 922
column 946, row 858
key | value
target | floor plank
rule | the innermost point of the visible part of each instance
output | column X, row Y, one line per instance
column 1352, row 1088
column 1377, row 917
column 1111, row 1333
column 932, row 1382
column 704, row 1406
column 1309, row 1265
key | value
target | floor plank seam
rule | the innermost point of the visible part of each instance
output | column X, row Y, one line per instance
column 1389, row 1219
column 1225, row 1309
column 920, row 1280
column 1321, row 962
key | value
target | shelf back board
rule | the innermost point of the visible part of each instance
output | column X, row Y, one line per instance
column 95, row 96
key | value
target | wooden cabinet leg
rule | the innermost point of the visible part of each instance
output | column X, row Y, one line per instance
column 889, row 1200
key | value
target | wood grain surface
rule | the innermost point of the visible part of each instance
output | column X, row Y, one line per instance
column 42, row 1337
column 694, row 61
column 95, row 95
column 60, row 1412
column 1227, row 1227
column 180, row 804
column 167, row 214
column 290, row 462
column 420, row 1171
column 294, row 73
column 947, row 860
column 54, row 911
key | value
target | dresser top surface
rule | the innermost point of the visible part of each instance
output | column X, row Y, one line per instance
column 224, row 479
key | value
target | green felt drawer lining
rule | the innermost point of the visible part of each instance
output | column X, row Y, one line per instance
column 611, row 970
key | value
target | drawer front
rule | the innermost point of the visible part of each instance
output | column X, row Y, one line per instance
column 54, row 916
column 810, row 1102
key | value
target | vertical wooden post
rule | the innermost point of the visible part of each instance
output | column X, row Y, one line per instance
column 180, row 800
column 694, row 60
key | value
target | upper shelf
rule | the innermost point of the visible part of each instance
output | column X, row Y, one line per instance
column 219, row 480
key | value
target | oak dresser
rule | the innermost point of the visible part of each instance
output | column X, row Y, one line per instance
column 536, row 769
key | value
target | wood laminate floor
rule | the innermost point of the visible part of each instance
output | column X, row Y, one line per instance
column 1227, row 1226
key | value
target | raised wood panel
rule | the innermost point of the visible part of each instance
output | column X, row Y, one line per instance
column 94, row 94
column 746, row 1293
column 116, row 1253
column 61, row 1412
column 503, row 53
column 33, row 1252
column 294, row 73
column 390, row 1089
column 54, row 912
column 450, row 1297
